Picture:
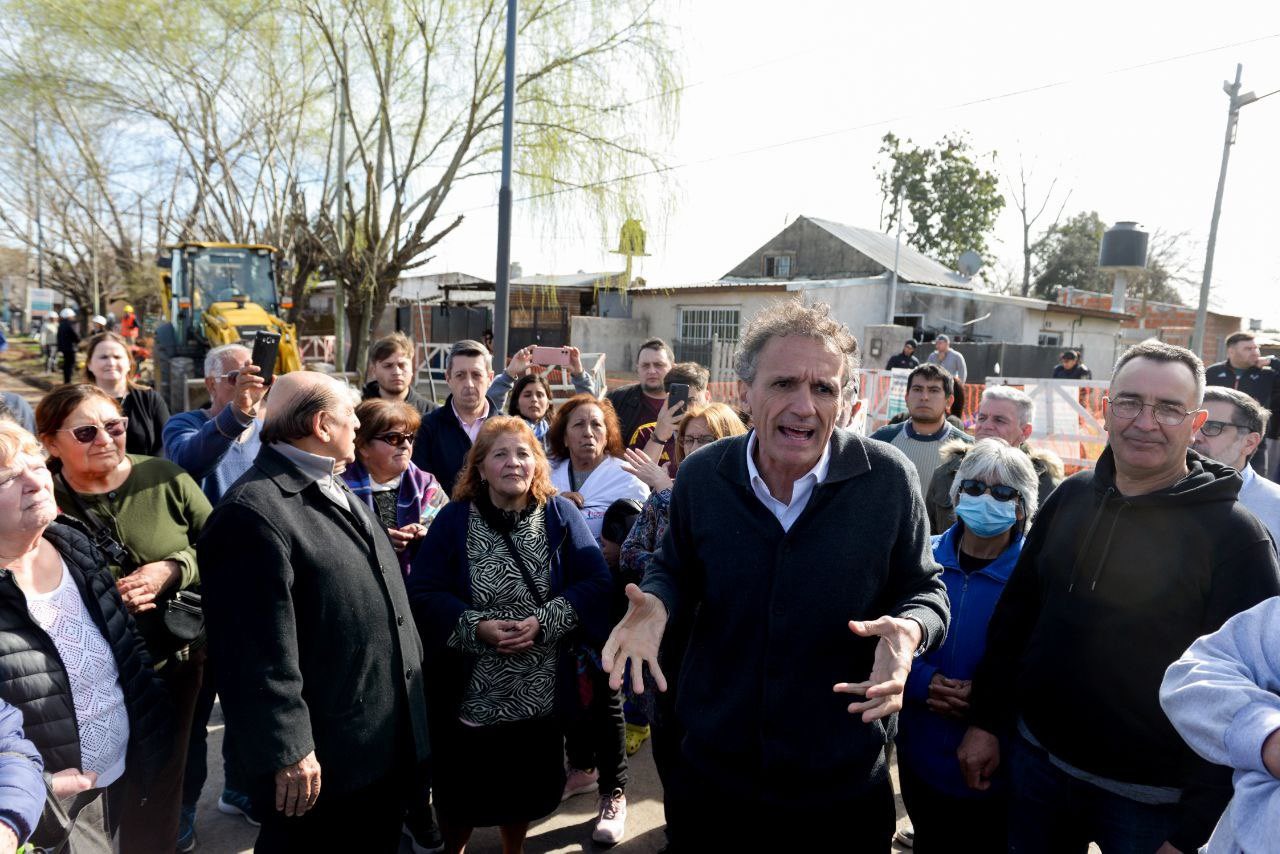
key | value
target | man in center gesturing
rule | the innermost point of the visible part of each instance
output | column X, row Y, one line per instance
column 800, row 556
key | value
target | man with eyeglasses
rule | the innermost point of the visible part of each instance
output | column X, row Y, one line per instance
column 217, row 444
column 1247, row 370
column 1124, row 568
column 1231, row 435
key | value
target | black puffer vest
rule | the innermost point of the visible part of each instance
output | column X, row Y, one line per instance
column 33, row 678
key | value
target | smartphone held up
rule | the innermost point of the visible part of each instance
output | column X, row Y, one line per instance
column 266, row 348
column 550, row 356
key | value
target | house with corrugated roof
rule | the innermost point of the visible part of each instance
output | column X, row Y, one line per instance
column 851, row 269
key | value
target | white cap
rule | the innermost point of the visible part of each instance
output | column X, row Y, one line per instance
column 67, row 313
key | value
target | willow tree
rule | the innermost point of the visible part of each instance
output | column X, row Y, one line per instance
column 222, row 96
column 596, row 88
column 236, row 102
column 73, row 165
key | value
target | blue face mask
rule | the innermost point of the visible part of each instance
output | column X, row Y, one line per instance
column 985, row 516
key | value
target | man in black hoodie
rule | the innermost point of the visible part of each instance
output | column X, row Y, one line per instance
column 1124, row 567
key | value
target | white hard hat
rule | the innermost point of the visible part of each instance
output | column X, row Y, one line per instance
column 67, row 313
column 100, row 320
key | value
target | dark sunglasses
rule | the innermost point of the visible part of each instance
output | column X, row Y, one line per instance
column 396, row 440
column 999, row 491
column 86, row 433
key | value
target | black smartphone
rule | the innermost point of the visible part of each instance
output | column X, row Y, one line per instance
column 677, row 393
column 266, row 347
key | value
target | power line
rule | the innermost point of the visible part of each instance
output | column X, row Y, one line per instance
column 1015, row 93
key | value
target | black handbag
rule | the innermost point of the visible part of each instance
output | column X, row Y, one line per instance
column 178, row 618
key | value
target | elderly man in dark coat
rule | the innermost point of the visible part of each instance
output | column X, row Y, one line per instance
column 799, row 558
column 319, row 663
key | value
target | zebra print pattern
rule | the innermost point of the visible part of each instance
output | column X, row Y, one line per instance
column 505, row 688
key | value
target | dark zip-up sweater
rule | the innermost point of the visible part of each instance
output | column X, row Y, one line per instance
column 442, row 444
column 1108, row 592
column 770, row 611
column 34, row 679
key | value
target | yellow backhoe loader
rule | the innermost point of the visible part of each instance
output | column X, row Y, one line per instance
column 216, row 293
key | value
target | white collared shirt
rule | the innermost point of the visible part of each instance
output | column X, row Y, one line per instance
column 322, row 470
column 801, row 490
column 473, row 429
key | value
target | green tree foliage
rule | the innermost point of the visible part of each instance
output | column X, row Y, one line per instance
column 1067, row 257
column 950, row 200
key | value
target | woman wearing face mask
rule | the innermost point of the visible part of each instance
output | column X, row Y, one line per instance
column 994, row 493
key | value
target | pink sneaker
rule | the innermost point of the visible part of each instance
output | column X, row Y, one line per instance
column 580, row 782
column 611, row 826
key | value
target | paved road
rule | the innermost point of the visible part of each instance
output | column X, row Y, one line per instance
column 566, row 830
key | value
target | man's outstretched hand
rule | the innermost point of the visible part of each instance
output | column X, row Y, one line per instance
column 899, row 640
column 635, row 641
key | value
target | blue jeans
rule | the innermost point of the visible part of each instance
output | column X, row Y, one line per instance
column 1052, row 812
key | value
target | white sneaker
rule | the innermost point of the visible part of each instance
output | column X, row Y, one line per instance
column 611, row 826
column 579, row 782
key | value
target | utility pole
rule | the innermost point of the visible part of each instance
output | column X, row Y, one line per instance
column 1233, row 115
column 339, row 297
column 897, row 248
column 502, row 282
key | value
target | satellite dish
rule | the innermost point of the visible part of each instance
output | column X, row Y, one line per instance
column 970, row 262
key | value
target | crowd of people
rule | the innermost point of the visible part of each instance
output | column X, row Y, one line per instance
column 424, row 619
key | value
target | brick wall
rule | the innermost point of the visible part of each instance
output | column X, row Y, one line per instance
column 1171, row 323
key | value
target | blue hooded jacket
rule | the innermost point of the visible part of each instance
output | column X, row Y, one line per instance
column 927, row 741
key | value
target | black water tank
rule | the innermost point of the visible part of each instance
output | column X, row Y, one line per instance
column 1123, row 245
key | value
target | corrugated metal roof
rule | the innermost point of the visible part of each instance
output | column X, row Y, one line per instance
column 913, row 266
column 572, row 280
column 714, row 284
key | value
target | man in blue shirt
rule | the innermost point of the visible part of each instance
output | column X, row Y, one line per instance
column 216, row 446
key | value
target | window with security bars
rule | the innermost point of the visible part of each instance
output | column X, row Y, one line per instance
column 699, row 325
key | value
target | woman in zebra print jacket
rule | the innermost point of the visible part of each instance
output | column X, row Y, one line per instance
column 507, row 574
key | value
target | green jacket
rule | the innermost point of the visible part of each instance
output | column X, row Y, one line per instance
column 156, row 514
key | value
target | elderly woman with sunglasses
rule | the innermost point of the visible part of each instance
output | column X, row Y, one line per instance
column 404, row 497
column 144, row 514
column 994, row 493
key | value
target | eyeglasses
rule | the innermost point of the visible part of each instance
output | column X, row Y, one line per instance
column 86, row 433
column 396, row 440
column 999, row 491
column 1215, row 428
column 1165, row 413
column 699, row 441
